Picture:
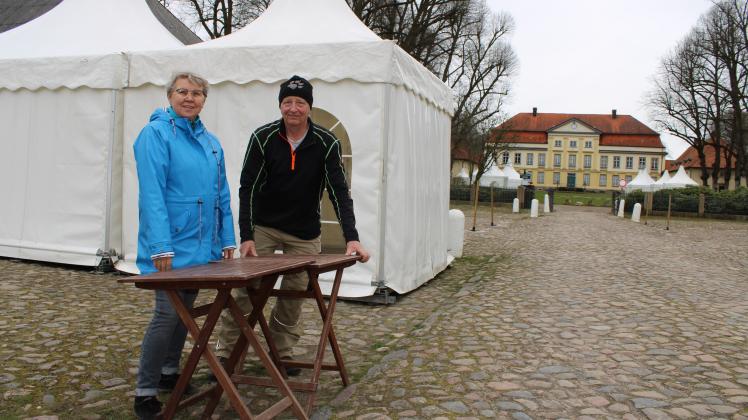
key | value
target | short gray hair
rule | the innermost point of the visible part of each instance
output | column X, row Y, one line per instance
column 192, row 78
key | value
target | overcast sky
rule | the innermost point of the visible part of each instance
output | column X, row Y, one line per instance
column 592, row 56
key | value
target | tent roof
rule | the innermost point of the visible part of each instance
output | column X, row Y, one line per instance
column 510, row 172
column 642, row 181
column 88, row 27
column 664, row 178
column 681, row 179
column 283, row 41
column 291, row 22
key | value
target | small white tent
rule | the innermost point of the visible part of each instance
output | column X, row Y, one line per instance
column 661, row 183
column 392, row 115
column 513, row 180
column 642, row 181
column 681, row 180
column 494, row 176
column 61, row 81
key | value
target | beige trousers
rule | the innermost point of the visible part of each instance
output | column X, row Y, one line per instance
column 285, row 325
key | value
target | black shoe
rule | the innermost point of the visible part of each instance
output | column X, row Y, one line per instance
column 168, row 382
column 211, row 375
column 147, row 408
column 291, row 371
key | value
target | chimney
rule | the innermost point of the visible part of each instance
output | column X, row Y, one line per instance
column 534, row 111
column 614, row 113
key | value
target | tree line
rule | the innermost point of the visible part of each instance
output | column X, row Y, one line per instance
column 463, row 42
column 700, row 92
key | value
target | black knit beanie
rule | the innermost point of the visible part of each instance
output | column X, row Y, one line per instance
column 296, row 86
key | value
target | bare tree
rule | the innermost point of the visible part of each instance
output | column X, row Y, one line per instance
column 221, row 17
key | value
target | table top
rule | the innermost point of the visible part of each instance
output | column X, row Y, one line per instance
column 238, row 272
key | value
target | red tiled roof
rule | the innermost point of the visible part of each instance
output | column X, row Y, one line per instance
column 690, row 159
column 623, row 130
column 631, row 140
column 460, row 153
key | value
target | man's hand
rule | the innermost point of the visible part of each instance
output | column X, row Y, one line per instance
column 163, row 263
column 247, row 249
column 355, row 247
column 228, row 253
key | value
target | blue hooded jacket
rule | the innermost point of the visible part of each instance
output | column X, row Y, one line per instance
column 184, row 201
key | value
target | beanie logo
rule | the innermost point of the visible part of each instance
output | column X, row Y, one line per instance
column 295, row 84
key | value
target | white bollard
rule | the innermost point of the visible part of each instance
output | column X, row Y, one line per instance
column 546, row 204
column 515, row 205
column 534, row 208
column 621, row 206
column 636, row 213
column 456, row 233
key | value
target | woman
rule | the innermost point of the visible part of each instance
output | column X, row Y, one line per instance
column 185, row 220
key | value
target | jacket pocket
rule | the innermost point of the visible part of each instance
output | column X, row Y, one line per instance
column 178, row 221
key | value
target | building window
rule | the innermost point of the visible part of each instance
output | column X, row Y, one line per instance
column 588, row 161
column 628, row 179
column 557, row 178
column 505, row 158
column 642, row 163
column 557, row 160
column 588, row 144
column 557, row 143
column 603, row 180
column 586, row 180
column 655, row 164
column 629, row 162
column 616, row 162
column 615, row 180
column 518, row 158
column 603, row 162
column 573, row 144
column 541, row 160
column 572, row 161
column 529, row 159
column 541, row 177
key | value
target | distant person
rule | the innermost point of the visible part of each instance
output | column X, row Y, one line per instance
column 185, row 220
column 287, row 165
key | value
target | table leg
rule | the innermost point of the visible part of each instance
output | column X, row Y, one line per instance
column 248, row 332
column 201, row 348
column 328, row 333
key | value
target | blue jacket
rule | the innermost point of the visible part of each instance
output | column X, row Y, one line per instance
column 184, row 200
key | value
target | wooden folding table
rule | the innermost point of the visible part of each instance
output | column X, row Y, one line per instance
column 258, row 275
column 322, row 264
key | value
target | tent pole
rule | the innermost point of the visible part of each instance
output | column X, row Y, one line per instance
column 105, row 252
column 380, row 281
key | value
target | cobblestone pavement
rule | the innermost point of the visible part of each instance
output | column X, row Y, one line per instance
column 576, row 314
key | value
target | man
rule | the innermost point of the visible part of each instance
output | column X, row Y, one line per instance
column 287, row 165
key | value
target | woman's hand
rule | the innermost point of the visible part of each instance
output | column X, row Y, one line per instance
column 163, row 263
column 228, row 253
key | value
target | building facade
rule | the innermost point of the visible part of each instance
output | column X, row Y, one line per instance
column 691, row 162
column 590, row 151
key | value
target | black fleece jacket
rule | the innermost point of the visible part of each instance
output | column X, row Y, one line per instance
column 281, row 188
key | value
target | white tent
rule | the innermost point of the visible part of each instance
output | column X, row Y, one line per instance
column 494, row 176
column 513, row 180
column 61, row 77
column 680, row 180
column 642, row 181
column 660, row 183
column 394, row 113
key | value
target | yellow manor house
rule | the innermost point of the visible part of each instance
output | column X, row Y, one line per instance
column 591, row 151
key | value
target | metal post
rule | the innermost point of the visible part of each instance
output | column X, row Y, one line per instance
column 492, row 205
column 475, row 205
column 669, row 201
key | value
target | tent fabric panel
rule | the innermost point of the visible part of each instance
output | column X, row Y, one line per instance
column 232, row 112
column 417, row 192
column 59, row 181
column 364, row 62
column 95, row 71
